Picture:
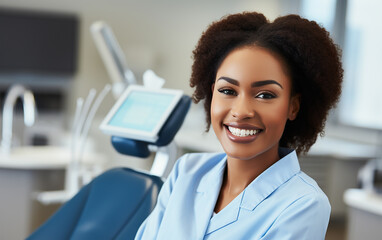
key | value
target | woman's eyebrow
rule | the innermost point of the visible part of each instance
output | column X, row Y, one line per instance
column 265, row 82
column 255, row 84
column 230, row 80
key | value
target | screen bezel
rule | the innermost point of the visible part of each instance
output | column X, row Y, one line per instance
column 135, row 134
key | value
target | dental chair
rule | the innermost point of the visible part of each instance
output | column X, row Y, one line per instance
column 114, row 204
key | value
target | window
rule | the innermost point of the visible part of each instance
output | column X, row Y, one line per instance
column 361, row 103
column 356, row 26
column 321, row 11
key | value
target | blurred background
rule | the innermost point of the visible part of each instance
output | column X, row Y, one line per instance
column 160, row 35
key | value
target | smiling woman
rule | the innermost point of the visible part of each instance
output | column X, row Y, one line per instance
column 267, row 89
column 258, row 99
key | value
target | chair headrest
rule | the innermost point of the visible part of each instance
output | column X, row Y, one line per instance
column 167, row 133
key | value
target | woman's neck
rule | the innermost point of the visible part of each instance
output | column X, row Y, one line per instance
column 239, row 174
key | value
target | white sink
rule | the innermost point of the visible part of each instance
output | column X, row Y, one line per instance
column 42, row 157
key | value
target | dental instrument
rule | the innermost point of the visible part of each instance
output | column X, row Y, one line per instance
column 76, row 176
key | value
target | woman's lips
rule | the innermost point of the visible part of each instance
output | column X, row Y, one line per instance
column 243, row 134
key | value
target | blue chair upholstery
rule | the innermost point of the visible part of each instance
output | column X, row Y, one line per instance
column 112, row 206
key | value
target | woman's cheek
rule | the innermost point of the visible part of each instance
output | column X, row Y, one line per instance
column 218, row 111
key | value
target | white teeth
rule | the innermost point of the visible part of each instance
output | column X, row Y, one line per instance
column 242, row 132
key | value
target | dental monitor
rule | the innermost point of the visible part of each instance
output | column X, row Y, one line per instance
column 140, row 113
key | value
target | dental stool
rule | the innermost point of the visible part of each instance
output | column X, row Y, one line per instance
column 114, row 204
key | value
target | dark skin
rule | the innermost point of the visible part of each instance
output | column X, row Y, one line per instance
column 250, row 105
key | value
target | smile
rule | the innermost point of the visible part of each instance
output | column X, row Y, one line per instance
column 239, row 132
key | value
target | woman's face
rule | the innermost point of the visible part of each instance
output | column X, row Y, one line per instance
column 251, row 103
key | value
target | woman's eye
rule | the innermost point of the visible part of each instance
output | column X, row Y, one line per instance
column 265, row 95
column 227, row 92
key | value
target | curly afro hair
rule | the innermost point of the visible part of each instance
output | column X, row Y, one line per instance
column 311, row 57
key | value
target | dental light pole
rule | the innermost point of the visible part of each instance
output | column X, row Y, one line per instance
column 113, row 57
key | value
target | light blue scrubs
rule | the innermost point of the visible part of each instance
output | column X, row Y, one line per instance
column 281, row 203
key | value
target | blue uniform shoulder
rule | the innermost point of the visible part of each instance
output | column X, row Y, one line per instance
column 307, row 188
column 200, row 162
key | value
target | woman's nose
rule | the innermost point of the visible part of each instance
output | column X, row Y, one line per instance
column 242, row 108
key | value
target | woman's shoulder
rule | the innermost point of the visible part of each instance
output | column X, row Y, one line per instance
column 197, row 162
column 302, row 186
column 307, row 184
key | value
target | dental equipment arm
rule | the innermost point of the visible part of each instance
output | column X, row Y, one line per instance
column 112, row 56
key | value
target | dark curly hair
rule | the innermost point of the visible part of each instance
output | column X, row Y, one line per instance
column 311, row 57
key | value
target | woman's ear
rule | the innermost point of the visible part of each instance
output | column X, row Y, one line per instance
column 212, row 87
column 294, row 106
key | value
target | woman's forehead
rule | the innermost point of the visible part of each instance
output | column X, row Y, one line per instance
column 253, row 64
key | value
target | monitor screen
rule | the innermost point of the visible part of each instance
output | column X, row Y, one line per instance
column 37, row 43
column 140, row 113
